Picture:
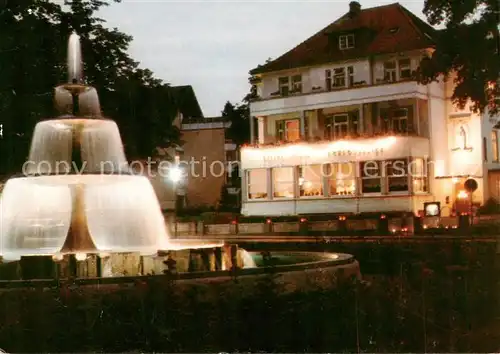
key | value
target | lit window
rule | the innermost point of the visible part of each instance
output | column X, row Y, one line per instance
column 494, row 144
column 390, row 71
column 400, row 120
column 288, row 130
column 419, row 175
column 394, row 120
column 283, row 182
column 397, row 175
column 337, row 126
column 311, row 181
column 346, row 41
column 404, row 69
column 339, row 77
column 371, row 178
column 340, row 126
column 257, row 183
column 341, row 178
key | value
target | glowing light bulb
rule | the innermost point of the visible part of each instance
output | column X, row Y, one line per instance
column 81, row 256
column 175, row 174
column 57, row 257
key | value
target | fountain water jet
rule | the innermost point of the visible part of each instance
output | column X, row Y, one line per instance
column 75, row 67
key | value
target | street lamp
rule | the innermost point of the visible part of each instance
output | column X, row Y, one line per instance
column 175, row 174
column 462, row 195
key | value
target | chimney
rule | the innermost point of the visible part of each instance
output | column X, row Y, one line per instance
column 354, row 8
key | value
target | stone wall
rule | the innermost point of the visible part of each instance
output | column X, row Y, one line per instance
column 393, row 225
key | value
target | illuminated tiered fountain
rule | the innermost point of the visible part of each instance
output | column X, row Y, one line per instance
column 77, row 196
column 78, row 211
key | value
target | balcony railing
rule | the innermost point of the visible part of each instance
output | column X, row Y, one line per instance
column 321, row 89
column 320, row 99
column 349, row 137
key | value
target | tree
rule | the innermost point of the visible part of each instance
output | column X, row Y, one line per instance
column 238, row 115
column 28, row 53
column 141, row 104
column 469, row 47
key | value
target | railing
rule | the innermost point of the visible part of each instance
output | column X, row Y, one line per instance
column 352, row 136
column 322, row 89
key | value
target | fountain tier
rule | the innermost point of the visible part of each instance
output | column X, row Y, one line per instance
column 119, row 213
column 96, row 142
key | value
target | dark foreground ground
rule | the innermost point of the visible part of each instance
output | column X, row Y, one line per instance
column 426, row 297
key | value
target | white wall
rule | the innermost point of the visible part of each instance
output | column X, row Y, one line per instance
column 335, row 205
column 315, row 76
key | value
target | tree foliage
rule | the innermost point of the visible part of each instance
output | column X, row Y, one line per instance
column 238, row 115
column 469, row 48
column 33, row 49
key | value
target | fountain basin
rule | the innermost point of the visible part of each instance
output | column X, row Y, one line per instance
column 121, row 212
column 309, row 271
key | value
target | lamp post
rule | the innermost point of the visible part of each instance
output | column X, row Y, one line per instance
column 175, row 176
column 471, row 186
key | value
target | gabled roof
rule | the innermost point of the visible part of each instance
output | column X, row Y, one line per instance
column 378, row 30
column 186, row 101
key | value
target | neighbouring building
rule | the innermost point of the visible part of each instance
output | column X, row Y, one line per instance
column 200, row 165
column 170, row 187
column 339, row 125
column 208, row 157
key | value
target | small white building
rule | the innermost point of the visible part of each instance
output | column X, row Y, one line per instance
column 339, row 126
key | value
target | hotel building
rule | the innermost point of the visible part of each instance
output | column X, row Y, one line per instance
column 340, row 127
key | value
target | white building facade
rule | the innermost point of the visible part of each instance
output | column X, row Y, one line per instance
column 340, row 127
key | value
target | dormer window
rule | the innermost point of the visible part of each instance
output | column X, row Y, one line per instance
column 346, row 41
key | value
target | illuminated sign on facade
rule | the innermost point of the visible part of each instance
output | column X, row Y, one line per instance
column 373, row 152
column 332, row 152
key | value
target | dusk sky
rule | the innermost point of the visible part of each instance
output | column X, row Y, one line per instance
column 212, row 45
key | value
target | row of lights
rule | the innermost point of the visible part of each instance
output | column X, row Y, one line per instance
column 78, row 256
column 303, row 220
column 439, row 227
